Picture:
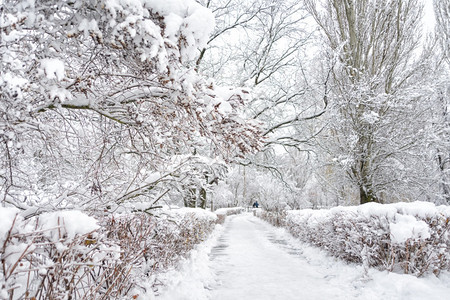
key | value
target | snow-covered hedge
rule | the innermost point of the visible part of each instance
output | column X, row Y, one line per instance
column 70, row 255
column 222, row 213
column 412, row 238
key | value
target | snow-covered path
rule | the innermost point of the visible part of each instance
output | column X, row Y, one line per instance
column 252, row 260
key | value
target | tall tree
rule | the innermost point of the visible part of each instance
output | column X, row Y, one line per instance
column 442, row 14
column 263, row 45
column 441, row 115
column 371, row 50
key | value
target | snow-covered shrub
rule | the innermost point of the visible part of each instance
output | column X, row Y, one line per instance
column 66, row 254
column 222, row 213
column 228, row 211
column 178, row 231
column 402, row 237
column 274, row 217
column 49, row 256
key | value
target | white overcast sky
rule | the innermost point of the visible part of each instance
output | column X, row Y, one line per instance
column 428, row 15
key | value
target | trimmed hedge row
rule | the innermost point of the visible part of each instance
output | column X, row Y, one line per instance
column 120, row 259
column 222, row 213
column 411, row 238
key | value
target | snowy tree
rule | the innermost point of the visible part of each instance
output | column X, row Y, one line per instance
column 100, row 100
column 244, row 185
column 440, row 98
column 442, row 14
column 372, row 55
column 263, row 45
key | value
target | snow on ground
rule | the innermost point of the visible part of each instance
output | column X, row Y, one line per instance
column 194, row 275
column 247, row 258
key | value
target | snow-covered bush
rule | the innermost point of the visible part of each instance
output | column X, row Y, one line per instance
column 222, row 213
column 274, row 217
column 402, row 237
column 71, row 255
column 228, row 211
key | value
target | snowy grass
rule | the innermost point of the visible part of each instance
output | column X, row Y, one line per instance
column 411, row 238
column 71, row 255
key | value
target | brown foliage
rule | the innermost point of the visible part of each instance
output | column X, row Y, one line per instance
column 108, row 263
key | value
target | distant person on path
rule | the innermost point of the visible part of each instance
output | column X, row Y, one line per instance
column 255, row 205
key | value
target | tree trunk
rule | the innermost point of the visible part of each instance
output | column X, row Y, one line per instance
column 202, row 197
column 366, row 195
column 190, row 198
column 444, row 184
